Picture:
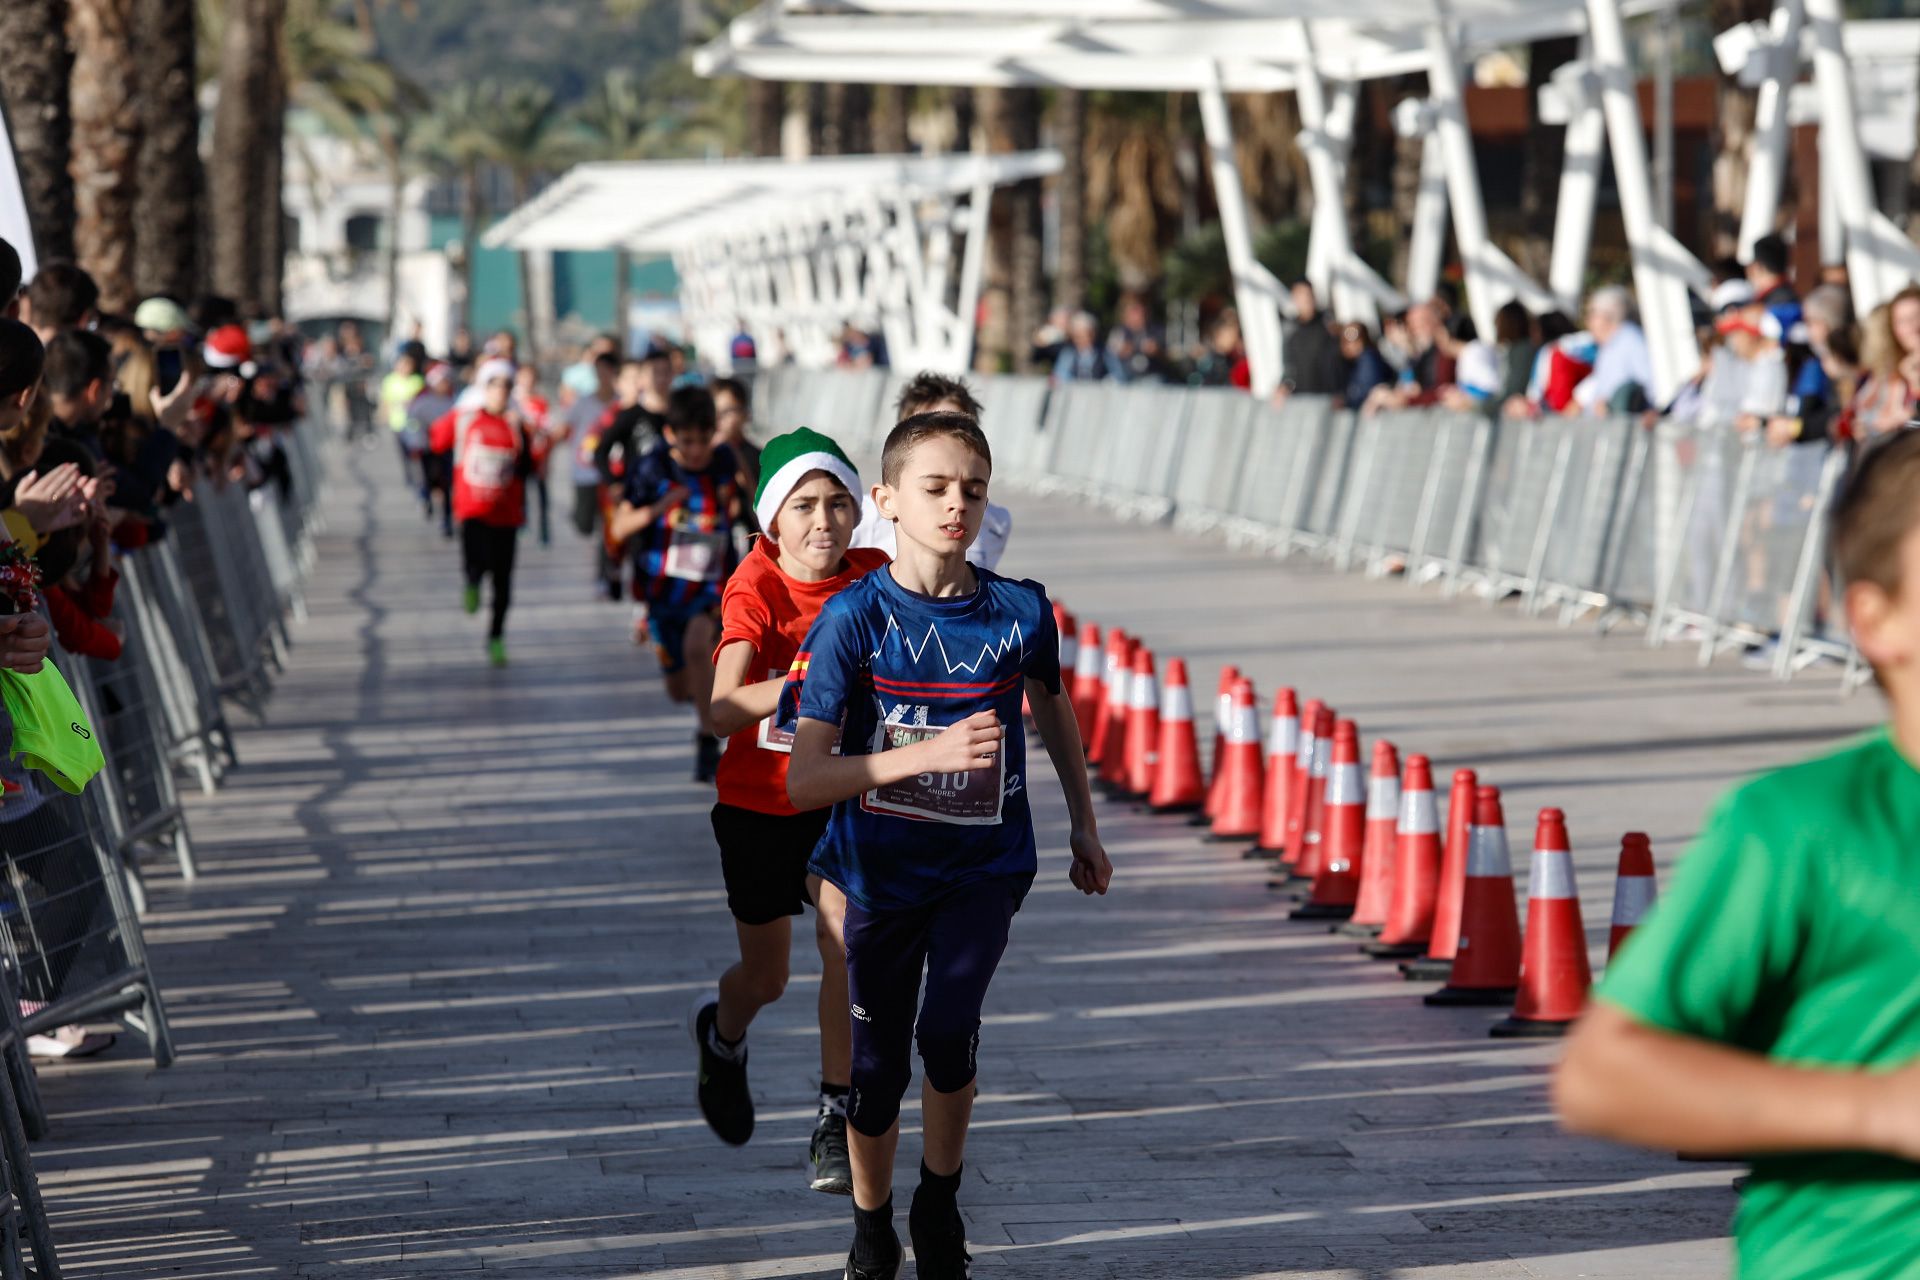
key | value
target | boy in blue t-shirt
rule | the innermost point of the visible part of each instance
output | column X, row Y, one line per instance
column 678, row 505
column 931, row 839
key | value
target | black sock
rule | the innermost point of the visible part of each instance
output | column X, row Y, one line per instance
column 937, row 1191
column 874, row 1241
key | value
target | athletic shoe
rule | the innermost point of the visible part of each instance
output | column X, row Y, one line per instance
column 724, row 1099
column 832, row 1169
column 706, row 749
column 884, row 1271
column 497, row 652
column 939, row 1243
column 470, row 599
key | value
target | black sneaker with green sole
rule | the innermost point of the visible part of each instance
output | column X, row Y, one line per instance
column 832, row 1169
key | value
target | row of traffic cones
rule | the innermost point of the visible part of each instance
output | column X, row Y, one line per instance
column 1369, row 846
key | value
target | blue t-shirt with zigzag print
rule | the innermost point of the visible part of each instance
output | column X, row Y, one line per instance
column 897, row 667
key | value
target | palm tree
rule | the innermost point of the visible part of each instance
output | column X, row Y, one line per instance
column 1014, row 269
column 33, row 89
column 890, row 110
column 243, row 180
column 106, row 144
column 167, row 225
column 455, row 137
column 1070, row 197
column 520, row 119
column 766, row 116
column 1133, row 187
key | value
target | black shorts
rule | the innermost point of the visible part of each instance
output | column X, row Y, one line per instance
column 763, row 857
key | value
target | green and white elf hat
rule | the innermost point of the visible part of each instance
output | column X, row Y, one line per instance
column 785, row 462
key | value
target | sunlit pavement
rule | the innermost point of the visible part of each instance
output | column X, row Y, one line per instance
column 429, row 993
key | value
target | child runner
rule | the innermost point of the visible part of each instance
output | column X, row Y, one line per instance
column 931, row 393
column 676, row 514
column 536, row 415
column 435, row 474
column 806, row 502
column 931, row 839
column 629, row 433
column 1767, row 1008
column 586, row 418
column 491, row 461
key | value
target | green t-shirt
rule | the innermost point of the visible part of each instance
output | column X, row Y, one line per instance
column 397, row 391
column 1792, row 929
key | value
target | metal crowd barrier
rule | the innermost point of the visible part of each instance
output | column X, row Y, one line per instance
column 1692, row 531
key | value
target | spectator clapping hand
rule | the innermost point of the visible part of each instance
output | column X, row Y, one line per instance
column 54, row 501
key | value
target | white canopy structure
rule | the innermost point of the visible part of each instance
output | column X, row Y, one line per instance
column 1319, row 49
column 796, row 250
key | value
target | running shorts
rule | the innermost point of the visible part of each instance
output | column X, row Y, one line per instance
column 667, row 624
column 763, row 857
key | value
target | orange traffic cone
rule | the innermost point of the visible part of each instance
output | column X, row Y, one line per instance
column 1116, row 648
column 1376, row 863
column 1143, row 725
column 1343, row 832
column 1239, row 816
column 1113, row 733
column 1444, row 939
column 1634, row 890
column 1087, row 664
column 1313, row 823
column 1554, row 975
column 1177, row 784
column 1222, row 717
column 1069, row 637
column 1416, row 868
column 1283, row 746
column 1302, row 774
column 1486, row 965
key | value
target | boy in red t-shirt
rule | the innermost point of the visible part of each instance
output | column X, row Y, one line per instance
column 808, row 504
column 491, row 461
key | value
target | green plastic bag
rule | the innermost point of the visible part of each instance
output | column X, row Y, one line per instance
column 50, row 731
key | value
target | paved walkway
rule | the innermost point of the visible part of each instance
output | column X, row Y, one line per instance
column 429, row 991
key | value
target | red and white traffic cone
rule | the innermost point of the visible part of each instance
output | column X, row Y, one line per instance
column 1376, row 864
column 1554, row 974
column 1088, row 664
column 1143, row 725
column 1283, row 746
column 1113, row 734
column 1416, row 868
column 1069, row 637
column 1177, row 783
column 1486, row 965
column 1113, row 654
column 1343, row 832
column 1222, row 717
column 1239, row 816
column 1444, row 939
column 1634, row 890
column 1302, row 774
column 1313, row 823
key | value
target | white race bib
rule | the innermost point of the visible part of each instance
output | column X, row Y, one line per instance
column 779, row 738
column 965, row 799
column 487, row 468
column 695, row 557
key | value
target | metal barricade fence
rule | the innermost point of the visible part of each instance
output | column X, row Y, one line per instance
column 156, row 590
column 67, row 925
column 1581, row 520
column 1677, row 526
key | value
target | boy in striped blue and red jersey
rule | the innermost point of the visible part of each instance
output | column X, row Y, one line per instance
column 678, row 506
column 930, row 838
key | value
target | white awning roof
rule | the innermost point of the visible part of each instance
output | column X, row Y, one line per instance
column 1155, row 45
column 660, row 206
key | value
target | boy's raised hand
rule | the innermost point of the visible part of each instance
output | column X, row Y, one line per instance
column 1091, row 872
column 966, row 745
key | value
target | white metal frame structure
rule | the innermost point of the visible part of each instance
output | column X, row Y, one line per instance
column 1318, row 48
column 795, row 250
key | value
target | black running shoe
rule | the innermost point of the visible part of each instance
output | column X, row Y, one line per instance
column 857, row 1270
column 724, row 1099
column 706, row 757
column 939, row 1243
column 832, row 1169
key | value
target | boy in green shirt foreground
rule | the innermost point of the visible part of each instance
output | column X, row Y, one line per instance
column 1769, row 1008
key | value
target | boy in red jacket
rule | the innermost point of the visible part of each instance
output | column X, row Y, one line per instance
column 492, row 458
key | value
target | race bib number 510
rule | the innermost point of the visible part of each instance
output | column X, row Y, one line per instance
column 967, row 799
